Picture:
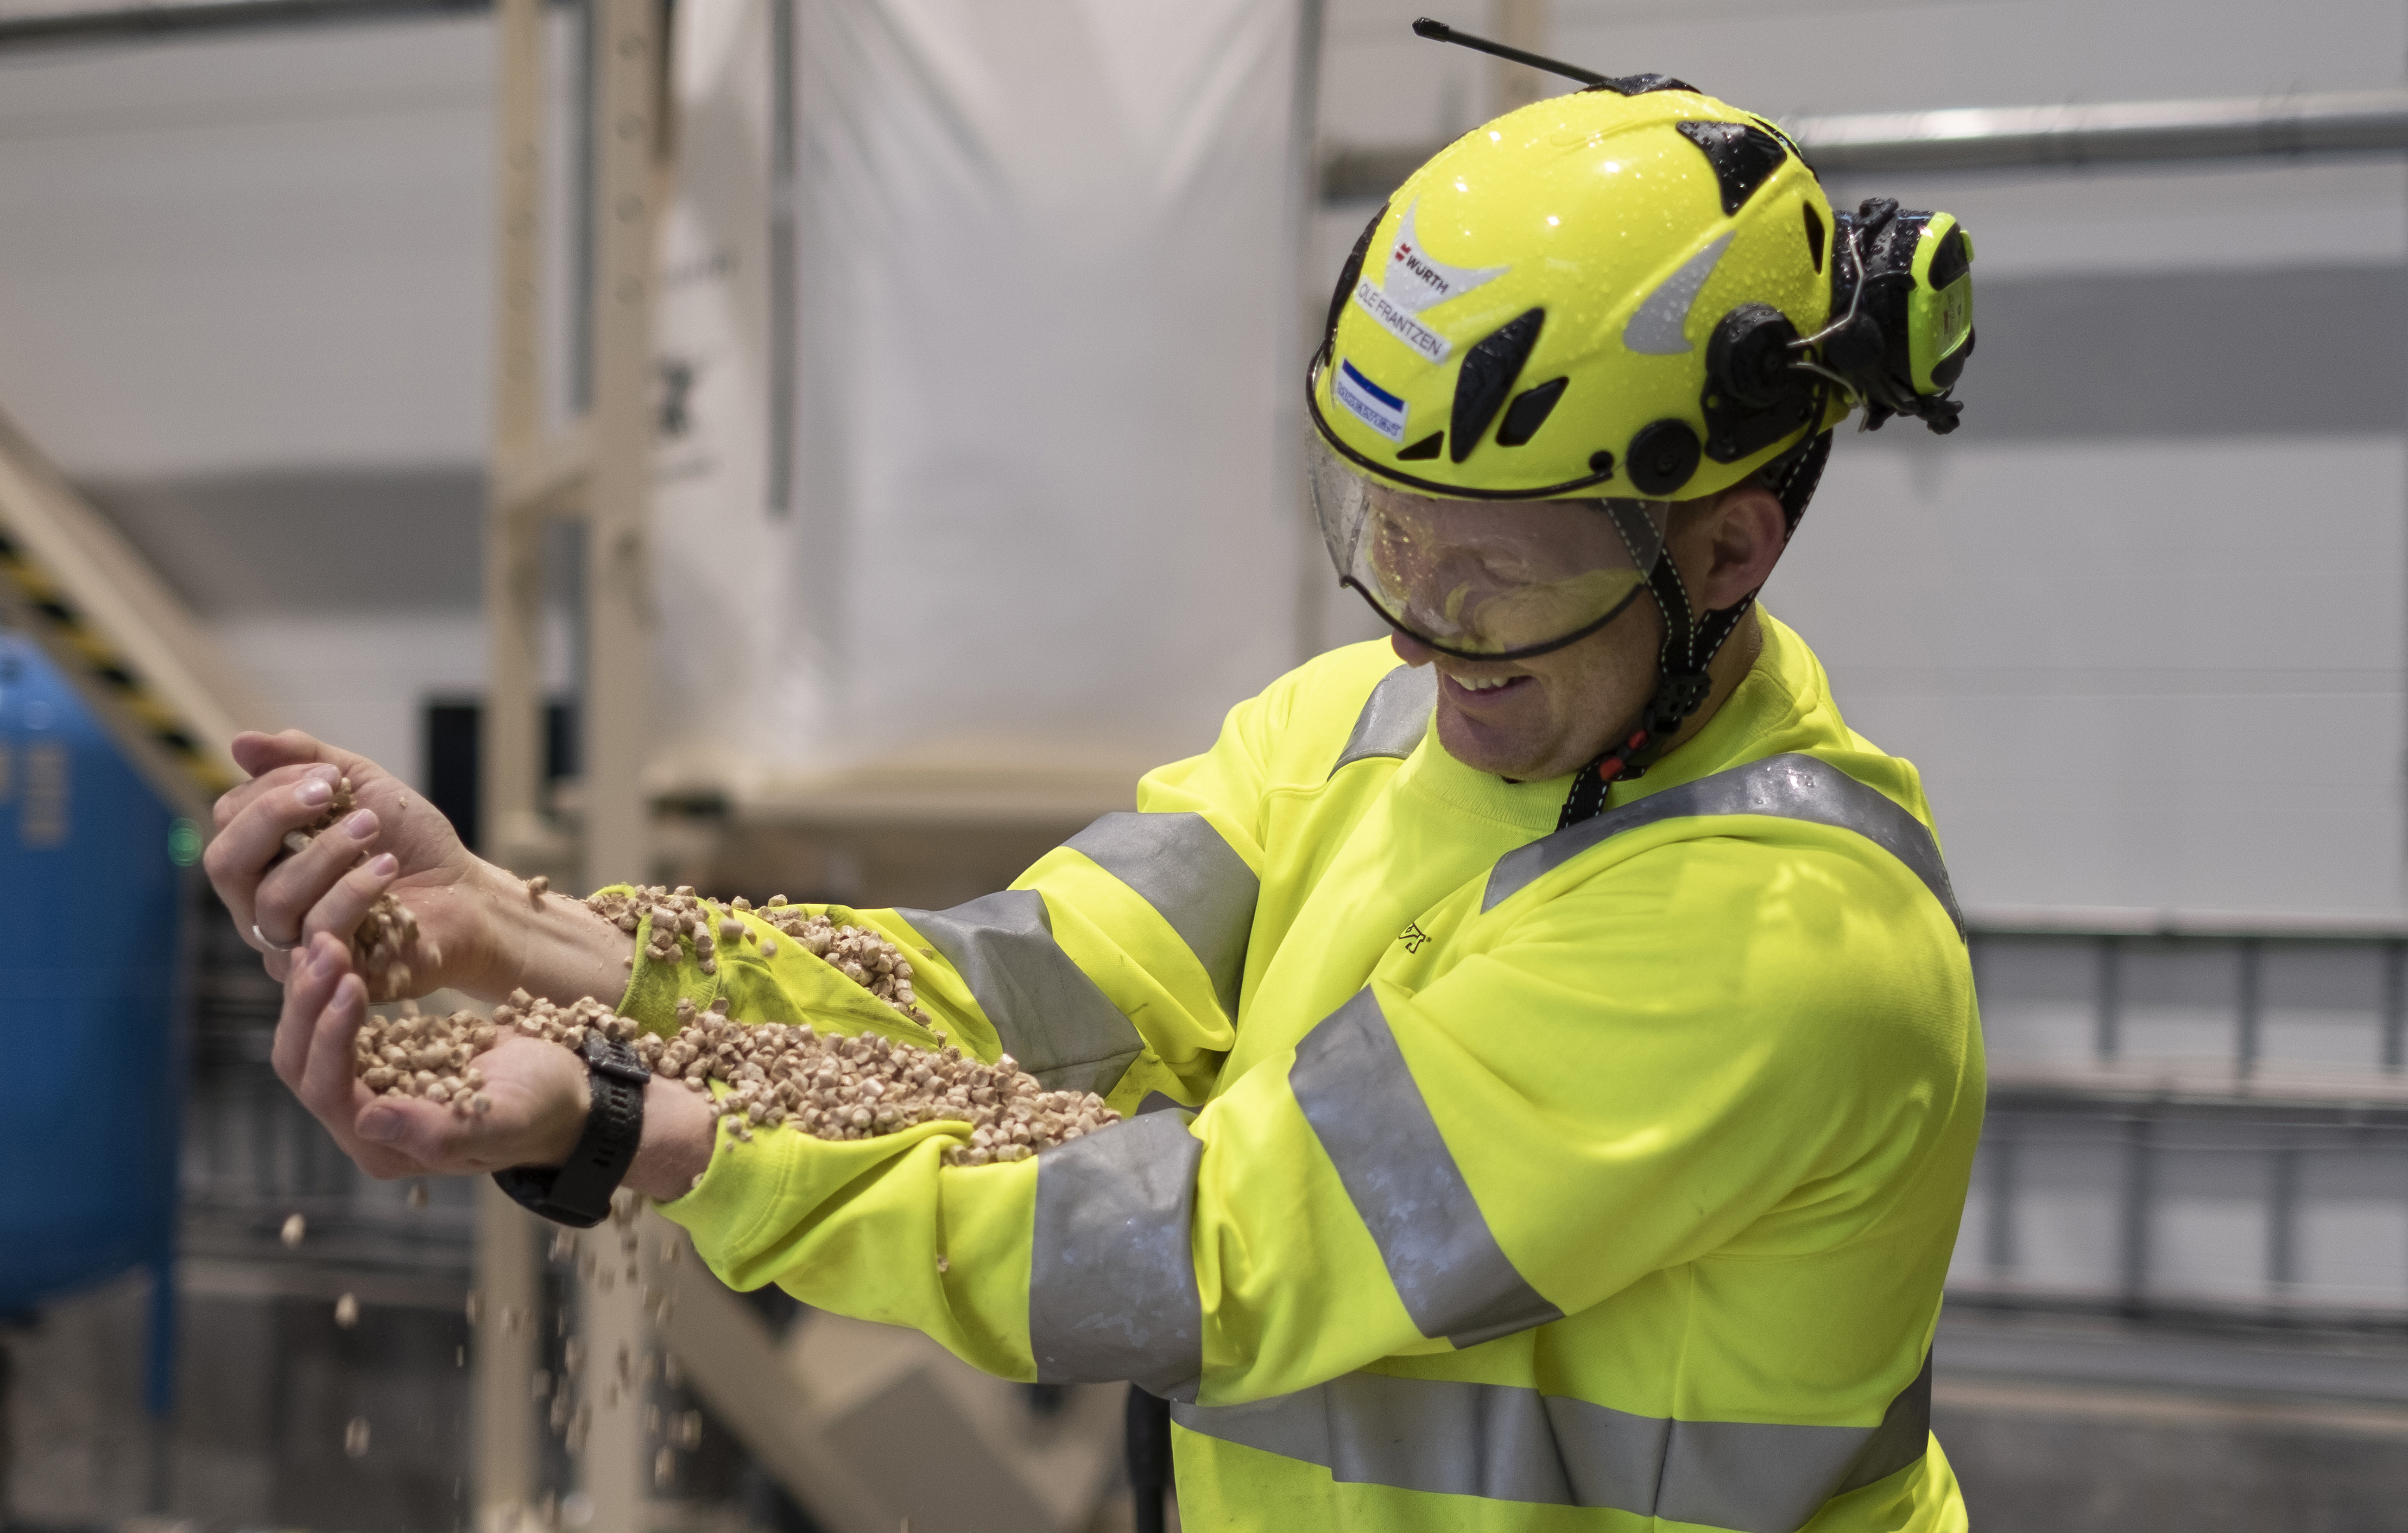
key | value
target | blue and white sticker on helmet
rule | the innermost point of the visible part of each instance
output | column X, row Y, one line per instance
column 1368, row 402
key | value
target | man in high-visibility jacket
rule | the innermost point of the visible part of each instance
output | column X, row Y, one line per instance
column 1517, row 1141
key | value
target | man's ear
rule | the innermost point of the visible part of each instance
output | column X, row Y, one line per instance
column 1744, row 535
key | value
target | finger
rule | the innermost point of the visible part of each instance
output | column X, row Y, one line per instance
column 289, row 890
column 315, row 972
column 335, row 1095
column 241, row 796
column 239, row 854
column 425, row 1133
column 327, row 1082
column 341, row 908
column 259, row 753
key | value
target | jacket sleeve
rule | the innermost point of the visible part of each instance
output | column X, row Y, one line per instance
column 1631, row 1075
column 1114, row 965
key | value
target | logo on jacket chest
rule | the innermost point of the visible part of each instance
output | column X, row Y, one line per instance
column 1412, row 936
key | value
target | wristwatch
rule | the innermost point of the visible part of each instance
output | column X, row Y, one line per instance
column 578, row 1194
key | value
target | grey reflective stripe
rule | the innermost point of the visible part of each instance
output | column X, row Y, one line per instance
column 1111, row 1272
column 1506, row 1442
column 1393, row 718
column 1789, row 787
column 1359, row 1096
column 1659, row 326
column 1187, row 871
column 1049, row 1015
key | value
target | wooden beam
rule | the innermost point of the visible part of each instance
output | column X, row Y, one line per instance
column 731, row 1359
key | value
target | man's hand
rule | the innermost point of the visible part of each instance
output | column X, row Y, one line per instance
column 492, row 936
column 329, row 885
column 540, row 1092
column 538, row 1089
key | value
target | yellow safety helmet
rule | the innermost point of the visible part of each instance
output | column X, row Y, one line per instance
column 1609, row 294
column 1603, row 303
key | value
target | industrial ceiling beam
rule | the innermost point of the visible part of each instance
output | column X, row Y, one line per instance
column 32, row 26
column 2011, row 137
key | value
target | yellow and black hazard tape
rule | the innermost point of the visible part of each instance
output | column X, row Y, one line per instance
column 166, row 725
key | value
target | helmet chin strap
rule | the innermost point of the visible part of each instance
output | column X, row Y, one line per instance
column 1682, row 682
column 1684, row 663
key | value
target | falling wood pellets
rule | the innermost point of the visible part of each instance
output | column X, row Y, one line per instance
column 295, row 1229
column 355, row 1438
column 539, row 886
column 388, row 940
column 346, row 1310
column 664, row 1469
column 417, row 1199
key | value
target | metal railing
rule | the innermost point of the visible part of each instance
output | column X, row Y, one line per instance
column 2169, row 1137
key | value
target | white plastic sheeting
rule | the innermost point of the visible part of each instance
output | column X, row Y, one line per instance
column 1044, row 418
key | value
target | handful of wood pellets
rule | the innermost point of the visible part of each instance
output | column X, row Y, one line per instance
column 829, row 1085
column 388, row 937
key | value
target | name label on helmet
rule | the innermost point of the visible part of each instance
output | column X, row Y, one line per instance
column 1396, row 320
column 1368, row 402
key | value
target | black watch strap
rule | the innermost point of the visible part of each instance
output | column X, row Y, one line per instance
column 578, row 1194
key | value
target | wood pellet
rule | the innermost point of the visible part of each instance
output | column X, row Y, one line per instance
column 829, row 1085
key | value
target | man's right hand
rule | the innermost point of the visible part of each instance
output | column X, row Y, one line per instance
column 479, row 930
column 279, row 902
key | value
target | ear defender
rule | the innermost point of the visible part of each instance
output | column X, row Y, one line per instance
column 1902, row 297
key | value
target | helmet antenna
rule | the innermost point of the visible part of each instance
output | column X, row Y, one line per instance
column 1439, row 31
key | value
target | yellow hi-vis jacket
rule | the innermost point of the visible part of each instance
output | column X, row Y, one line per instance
column 1599, row 1178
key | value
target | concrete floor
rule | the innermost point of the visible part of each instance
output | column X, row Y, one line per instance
column 2073, row 1426
column 2054, row 1425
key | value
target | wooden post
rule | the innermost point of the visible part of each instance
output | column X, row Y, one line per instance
column 630, row 182
column 630, row 101
column 503, row 1345
column 512, row 765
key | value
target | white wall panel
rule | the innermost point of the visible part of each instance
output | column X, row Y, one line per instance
column 270, row 250
column 2133, row 673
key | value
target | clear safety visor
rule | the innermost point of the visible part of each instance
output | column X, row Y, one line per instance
column 1486, row 579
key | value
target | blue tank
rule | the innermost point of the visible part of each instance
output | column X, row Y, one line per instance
column 92, row 880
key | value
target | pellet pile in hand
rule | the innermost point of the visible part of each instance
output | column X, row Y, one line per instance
column 388, row 939
column 428, row 1057
column 861, row 955
column 832, row 1086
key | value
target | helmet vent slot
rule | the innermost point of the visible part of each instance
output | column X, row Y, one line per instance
column 1744, row 156
column 1529, row 411
column 1349, row 274
column 1814, row 237
column 1487, row 376
column 1426, row 448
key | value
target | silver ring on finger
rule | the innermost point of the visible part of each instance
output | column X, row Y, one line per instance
column 270, row 943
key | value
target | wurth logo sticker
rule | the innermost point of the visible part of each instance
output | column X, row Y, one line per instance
column 1415, row 279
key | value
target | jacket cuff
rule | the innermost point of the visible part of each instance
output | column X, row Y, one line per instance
column 655, row 987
